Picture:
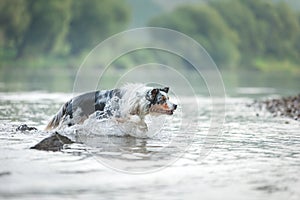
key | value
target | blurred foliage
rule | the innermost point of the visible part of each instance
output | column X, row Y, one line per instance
column 94, row 21
column 14, row 20
column 251, row 34
column 205, row 25
column 47, row 27
column 31, row 29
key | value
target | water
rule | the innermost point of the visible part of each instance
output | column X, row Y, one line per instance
column 256, row 157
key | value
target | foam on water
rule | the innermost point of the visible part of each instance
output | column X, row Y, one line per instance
column 153, row 126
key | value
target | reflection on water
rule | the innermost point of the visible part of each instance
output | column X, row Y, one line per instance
column 27, row 79
column 243, row 83
column 257, row 157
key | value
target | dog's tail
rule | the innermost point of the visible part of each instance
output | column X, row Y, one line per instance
column 55, row 121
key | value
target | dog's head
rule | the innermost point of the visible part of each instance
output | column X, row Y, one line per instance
column 159, row 101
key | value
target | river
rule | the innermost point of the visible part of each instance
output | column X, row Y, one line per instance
column 256, row 156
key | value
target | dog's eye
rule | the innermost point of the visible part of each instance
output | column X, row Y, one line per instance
column 164, row 98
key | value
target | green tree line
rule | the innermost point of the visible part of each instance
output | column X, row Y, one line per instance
column 255, row 34
column 31, row 28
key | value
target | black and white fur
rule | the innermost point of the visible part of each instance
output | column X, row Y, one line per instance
column 130, row 100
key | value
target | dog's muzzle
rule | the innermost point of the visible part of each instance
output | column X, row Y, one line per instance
column 166, row 109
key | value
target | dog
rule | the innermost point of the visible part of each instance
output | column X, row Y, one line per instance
column 131, row 100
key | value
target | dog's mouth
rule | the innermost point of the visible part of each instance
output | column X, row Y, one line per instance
column 160, row 110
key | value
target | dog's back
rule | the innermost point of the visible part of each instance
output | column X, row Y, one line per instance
column 80, row 107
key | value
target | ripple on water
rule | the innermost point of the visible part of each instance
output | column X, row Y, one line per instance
column 256, row 157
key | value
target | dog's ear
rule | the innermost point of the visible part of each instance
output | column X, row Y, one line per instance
column 152, row 94
column 165, row 89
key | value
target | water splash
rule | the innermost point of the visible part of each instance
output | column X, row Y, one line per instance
column 131, row 126
column 117, row 119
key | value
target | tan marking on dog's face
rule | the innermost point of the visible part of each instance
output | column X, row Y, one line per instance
column 161, row 109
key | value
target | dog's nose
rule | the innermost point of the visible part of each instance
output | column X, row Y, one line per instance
column 175, row 106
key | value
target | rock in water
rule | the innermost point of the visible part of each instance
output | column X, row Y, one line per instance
column 24, row 127
column 53, row 143
column 5, row 173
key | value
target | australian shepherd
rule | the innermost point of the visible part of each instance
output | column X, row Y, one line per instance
column 130, row 100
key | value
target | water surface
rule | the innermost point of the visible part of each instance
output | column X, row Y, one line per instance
column 256, row 157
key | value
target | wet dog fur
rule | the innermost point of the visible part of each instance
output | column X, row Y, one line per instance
column 130, row 100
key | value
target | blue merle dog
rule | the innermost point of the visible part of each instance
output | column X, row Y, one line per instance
column 130, row 100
